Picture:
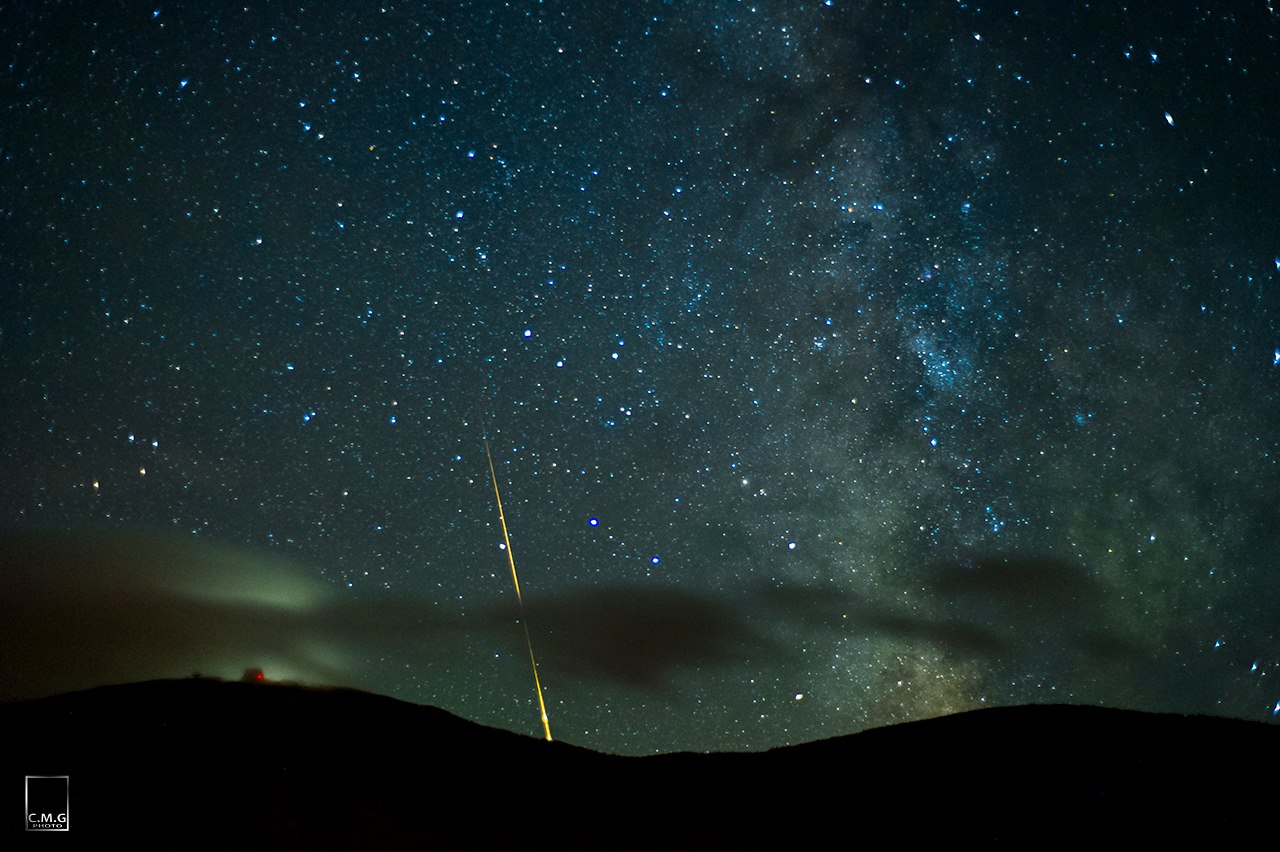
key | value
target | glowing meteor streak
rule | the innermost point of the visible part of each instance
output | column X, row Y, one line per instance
column 524, row 622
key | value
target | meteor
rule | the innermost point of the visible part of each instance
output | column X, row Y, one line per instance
column 524, row 622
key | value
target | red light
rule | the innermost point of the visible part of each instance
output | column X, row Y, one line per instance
column 260, row 676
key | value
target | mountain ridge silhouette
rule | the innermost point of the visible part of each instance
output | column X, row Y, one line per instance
column 213, row 764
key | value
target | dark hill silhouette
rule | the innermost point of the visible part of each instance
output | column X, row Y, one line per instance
column 213, row 764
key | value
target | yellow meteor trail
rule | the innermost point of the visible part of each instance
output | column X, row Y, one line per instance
column 524, row 622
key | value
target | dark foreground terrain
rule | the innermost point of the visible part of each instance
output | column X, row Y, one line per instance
column 209, row 764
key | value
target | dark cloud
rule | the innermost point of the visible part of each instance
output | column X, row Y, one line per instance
column 1015, row 581
column 92, row 609
column 101, row 608
column 1012, row 607
column 1025, row 606
column 639, row 636
column 80, row 611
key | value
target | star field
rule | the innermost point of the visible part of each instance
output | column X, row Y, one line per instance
column 843, row 363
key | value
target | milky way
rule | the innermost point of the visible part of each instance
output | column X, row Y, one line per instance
column 843, row 363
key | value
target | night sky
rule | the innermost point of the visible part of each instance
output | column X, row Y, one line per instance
column 843, row 363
